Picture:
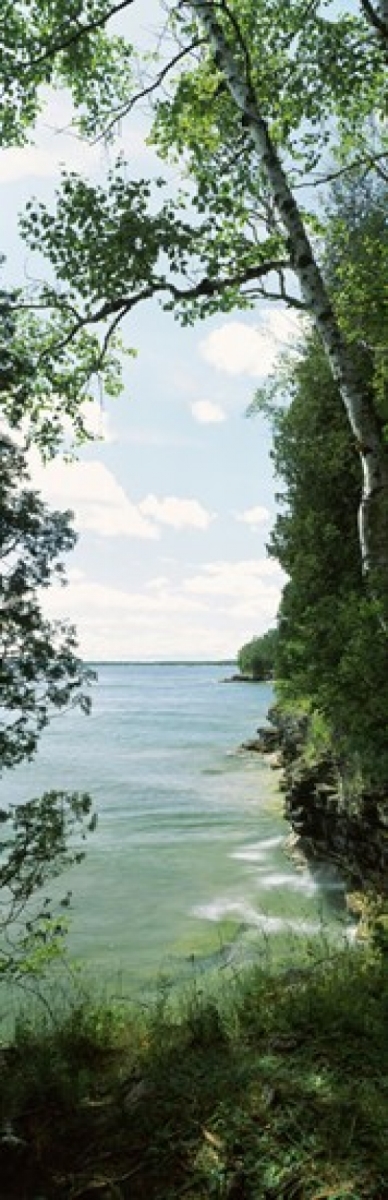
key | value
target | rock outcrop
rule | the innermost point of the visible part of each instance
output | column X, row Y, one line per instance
column 349, row 830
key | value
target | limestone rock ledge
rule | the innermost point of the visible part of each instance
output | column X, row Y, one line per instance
column 351, row 832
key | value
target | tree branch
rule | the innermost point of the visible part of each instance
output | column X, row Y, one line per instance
column 123, row 111
column 65, row 42
column 369, row 163
column 123, row 305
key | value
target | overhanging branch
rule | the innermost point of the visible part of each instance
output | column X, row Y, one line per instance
column 121, row 306
column 64, row 42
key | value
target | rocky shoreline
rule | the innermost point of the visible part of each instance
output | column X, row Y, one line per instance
column 353, row 834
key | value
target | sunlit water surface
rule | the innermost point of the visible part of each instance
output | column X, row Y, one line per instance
column 189, row 859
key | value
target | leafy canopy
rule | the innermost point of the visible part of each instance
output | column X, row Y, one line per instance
column 61, row 43
column 215, row 242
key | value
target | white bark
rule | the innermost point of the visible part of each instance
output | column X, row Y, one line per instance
column 377, row 15
column 373, row 516
column 382, row 13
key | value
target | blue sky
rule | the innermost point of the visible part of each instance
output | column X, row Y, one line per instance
column 174, row 507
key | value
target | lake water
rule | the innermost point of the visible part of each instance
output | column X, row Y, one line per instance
column 189, row 854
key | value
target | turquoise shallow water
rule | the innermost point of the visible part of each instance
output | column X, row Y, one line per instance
column 189, row 853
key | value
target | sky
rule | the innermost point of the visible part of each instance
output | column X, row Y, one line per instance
column 174, row 502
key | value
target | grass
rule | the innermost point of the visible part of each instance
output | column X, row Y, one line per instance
column 275, row 1085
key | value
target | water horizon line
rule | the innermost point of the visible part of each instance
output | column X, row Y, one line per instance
column 160, row 662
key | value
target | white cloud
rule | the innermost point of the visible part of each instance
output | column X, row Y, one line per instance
column 88, row 600
column 40, row 162
column 99, row 503
column 58, row 144
column 177, row 512
column 240, row 349
column 158, row 583
column 250, row 588
column 208, row 413
column 254, row 517
column 75, row 575
column 234, row 578
column 114, row 623
column 97, row 421
column 209, row 614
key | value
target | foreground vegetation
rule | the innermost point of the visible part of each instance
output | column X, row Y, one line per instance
column 274, row 1086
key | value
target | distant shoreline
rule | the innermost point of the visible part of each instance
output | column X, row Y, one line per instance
column 177, row 662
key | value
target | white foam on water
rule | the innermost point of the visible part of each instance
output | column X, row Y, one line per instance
column 297, row 883
column 258, row 851
column 219, row 909
column 304, row 882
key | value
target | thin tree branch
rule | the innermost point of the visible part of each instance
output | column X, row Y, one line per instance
column 124, row 109
column 64, row 42
column 366, row 164
column 123, row 305
column 110, row 331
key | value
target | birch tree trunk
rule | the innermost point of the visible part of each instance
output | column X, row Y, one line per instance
column 382, row 13
column 362, row 415
column 377, row 15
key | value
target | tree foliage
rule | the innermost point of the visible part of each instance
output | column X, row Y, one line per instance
column 40, row 672
column 60, row 43
column 331, row 647
column 41, row 675
column 257, row 657
column 38, row 840
column 356, row 263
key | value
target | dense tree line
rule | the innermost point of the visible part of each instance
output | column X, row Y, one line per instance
column 332, row 649
column 256, row 659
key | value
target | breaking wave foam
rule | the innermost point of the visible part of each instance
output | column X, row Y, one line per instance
column 218, row 910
